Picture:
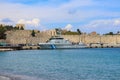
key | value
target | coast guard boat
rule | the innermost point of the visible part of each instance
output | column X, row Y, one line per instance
column 58, row 42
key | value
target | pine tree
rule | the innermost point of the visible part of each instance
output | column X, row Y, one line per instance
column 78, row 30
column 33, row 33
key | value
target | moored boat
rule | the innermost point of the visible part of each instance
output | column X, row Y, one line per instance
column 58, row 42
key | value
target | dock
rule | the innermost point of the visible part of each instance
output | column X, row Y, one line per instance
column 103, row 45
column 36, row 47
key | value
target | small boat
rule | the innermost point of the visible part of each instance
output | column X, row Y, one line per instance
column 58, row 42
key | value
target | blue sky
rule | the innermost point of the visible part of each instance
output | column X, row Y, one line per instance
column 101, row 16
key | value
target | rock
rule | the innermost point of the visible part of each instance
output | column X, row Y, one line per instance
column 4, row 78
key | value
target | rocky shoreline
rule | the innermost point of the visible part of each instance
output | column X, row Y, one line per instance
column 4, row 78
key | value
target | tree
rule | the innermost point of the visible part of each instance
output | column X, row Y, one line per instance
column 21, row 28
column 70, row 33
column 110, row 33
column 16, row 28
column 33, row 33
column 78, row 30
column 1, row 25
column 118, row 32
column 2, row 33
column 8, row 27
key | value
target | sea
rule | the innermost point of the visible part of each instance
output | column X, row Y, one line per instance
column 63, row 64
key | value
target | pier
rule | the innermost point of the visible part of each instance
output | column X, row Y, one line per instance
column 103, row 45
column 36, row 47
column 30, row 47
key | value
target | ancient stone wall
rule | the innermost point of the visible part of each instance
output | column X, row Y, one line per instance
column 24, row 37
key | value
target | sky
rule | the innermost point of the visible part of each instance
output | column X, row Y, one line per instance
column 102, row 16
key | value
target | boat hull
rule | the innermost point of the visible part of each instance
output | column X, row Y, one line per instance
column 61, row 46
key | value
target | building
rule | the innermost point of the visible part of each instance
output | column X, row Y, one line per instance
column 93, row 33
column 20, row 26
column 50, row 32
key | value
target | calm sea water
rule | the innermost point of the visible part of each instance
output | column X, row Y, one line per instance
column 75, row 64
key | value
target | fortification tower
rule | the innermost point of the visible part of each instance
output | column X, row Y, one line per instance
column 19, row 26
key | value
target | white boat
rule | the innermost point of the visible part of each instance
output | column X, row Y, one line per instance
column 57, row 42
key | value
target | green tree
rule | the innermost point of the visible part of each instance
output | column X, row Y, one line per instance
column 118, row 32
column 22, row 28
column 1, row 25
column 110, row 33
column 70, row 33
column 78, row 30
column 8, row 27
column 16, row 28
column 2, row 32
column 33, row 33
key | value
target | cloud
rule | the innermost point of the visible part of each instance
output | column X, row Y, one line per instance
column 62, row 11
column 68, row 11
column 34, row 22
column 31, row 24
column 102, row 26
column 34, row 2
column 21, row 21
column 68, row 27
column 117, row 22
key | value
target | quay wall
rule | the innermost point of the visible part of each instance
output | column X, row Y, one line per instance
column 24, row 37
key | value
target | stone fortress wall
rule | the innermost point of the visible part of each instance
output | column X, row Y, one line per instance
column 24, row 37
column 96, row 40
